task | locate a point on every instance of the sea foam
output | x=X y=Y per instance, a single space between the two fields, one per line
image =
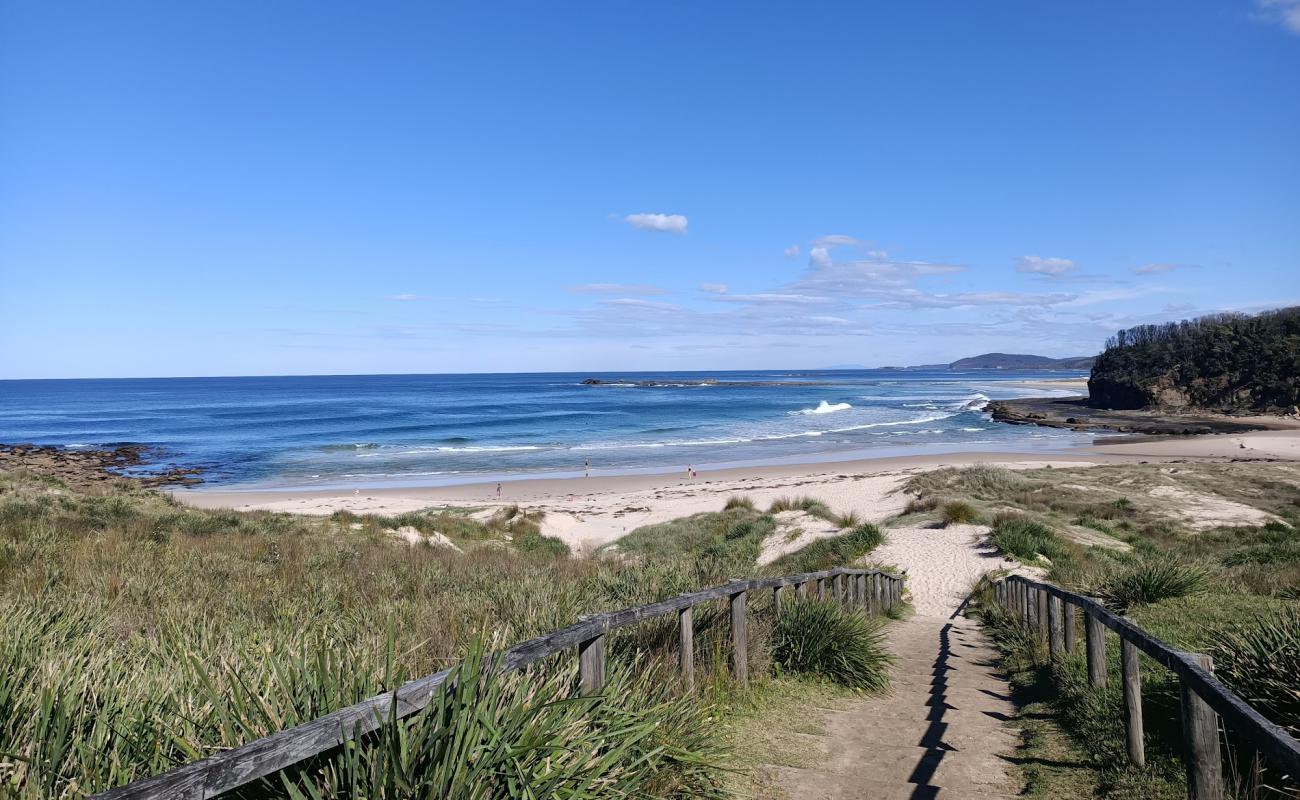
x=824 y=408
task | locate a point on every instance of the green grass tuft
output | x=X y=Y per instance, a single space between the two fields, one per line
x=1151 y=581
x=958 y=512
x=821 y=637
x=1260 y=661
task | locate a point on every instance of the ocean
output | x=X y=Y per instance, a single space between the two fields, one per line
x=390 y=430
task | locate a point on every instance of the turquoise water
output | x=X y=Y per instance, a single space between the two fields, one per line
x=379 y=430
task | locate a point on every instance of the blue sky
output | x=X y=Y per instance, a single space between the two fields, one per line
x=315 y=187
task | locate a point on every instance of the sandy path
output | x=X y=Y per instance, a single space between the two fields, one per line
x=942 y=730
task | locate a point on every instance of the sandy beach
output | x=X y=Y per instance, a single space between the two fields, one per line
x=590 y=512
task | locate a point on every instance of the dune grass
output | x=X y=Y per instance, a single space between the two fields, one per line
x=821 y=637
x=1227 y=591
x=140 y=634
x=830 y=552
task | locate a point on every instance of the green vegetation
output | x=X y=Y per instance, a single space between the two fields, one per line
x=957 y=512
x=1224 y=361
x=821 y=637
x=808 y=505
x=1123 y=533
x=1261 y=661
x=832 y=552
x=140 y=634
x=1028 y=541
x=1150 y=581
x=738 y=501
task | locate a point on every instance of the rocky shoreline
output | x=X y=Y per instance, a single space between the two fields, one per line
x=81 y=468
x=1074 y=413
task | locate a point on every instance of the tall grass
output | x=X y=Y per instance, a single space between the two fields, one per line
x=1028 y=541
x=1150 y=581
x=824 y=638
x=1261 y=661
x=958 y=512
x=138 y=634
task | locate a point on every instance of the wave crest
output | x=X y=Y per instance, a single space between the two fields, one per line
x=824 y=408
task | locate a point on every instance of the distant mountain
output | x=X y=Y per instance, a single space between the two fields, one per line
x=1017 y=361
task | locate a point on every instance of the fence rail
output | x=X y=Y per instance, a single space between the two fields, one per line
x=1050 y=609
x=868 y=590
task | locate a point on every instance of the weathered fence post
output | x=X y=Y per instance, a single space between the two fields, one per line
x=740 y=637
x=821 y=588
x=1068 y=623
x=1201 y=740
x=837 y=588
x=1040 y=602
x=877 y=598
x=863 y=601
x=1054 y=646
x=1132 y=701
x=1095 y=633
x=1025 y=602
x=686 y=646
x=591 y=664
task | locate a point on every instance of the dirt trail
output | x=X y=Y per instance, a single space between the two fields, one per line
x=942 y=731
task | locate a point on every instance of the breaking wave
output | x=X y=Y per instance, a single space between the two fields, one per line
x=824 y=408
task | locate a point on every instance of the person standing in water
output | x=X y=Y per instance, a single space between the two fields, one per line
x=586 y=468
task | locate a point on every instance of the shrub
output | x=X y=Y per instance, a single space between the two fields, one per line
x=957 y=512
x=835 y=551
x=821 y=637
x=739 y=501
x=1026 y=540
x=1260 y=662
x=1150 y=581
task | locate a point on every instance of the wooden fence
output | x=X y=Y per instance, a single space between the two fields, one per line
x=1051 y=610
x=868 y=590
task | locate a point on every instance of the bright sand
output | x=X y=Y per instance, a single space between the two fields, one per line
x=589 y=512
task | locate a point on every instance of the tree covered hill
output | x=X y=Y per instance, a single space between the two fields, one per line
x=1020 y=361
x=1228 y=362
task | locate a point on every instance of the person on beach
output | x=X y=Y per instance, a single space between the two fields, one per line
x=498 y=491
x=586 y=468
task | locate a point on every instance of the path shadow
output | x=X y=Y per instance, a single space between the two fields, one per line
x=932 y=739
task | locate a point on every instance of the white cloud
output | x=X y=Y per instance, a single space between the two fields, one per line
x=1282 y=12
x=663 y=223
x=618 y=288
x=820 y=258
x=407 y=298
x=632 y=302
x=836 y=240
x=878 y=255
x=1038 y=265
x=1152 y=269
x=714 y=288
x=792 y=251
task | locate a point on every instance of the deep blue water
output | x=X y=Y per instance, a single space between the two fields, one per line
x=392 y=429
